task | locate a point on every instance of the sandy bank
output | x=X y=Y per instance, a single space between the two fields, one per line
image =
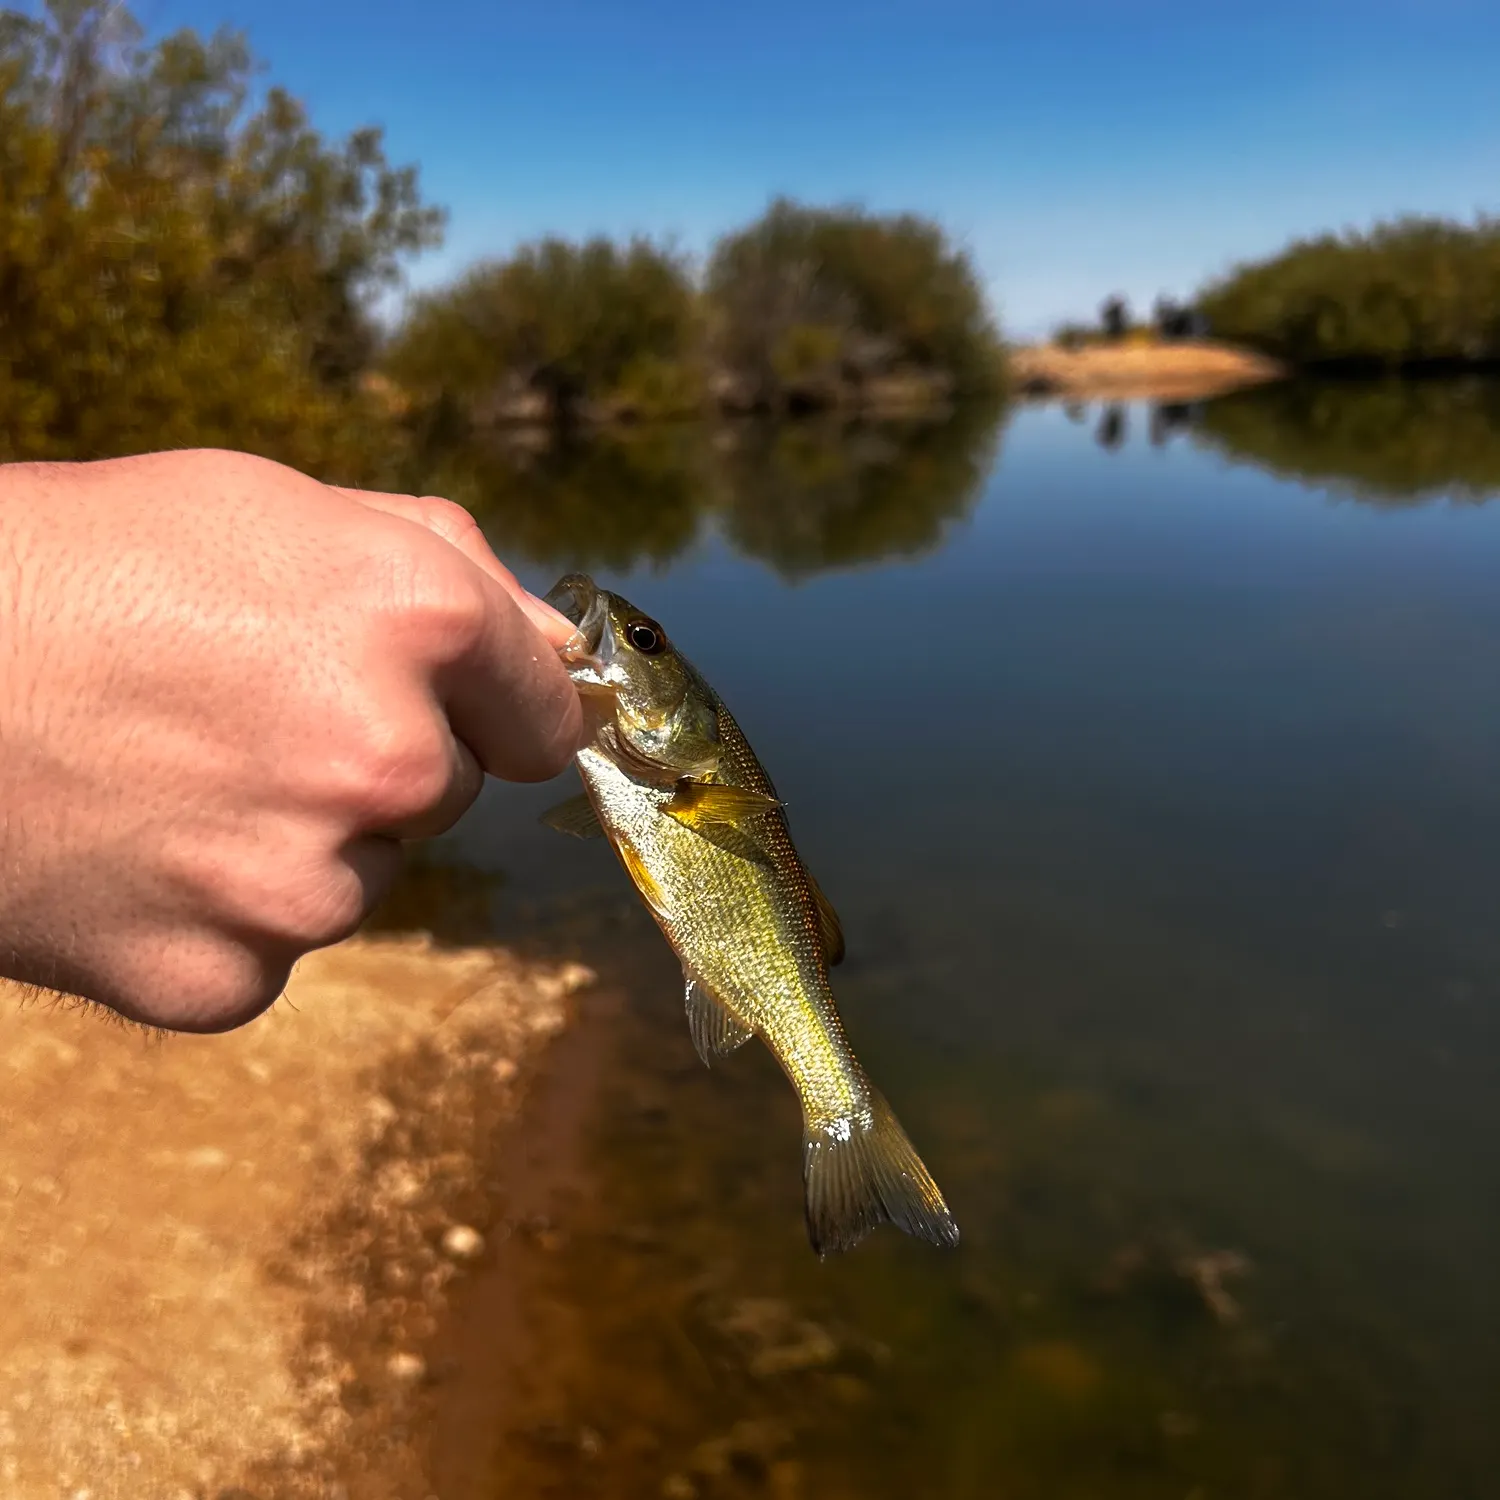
x=1187 y=371
x=225 y=1256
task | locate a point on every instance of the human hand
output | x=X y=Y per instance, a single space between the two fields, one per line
x=226 y=693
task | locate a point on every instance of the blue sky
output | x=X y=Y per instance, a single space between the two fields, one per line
x=1075 y=149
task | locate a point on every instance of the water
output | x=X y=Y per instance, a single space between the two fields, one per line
x=1160 y=796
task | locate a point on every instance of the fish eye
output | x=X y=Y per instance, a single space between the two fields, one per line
x=646 y=636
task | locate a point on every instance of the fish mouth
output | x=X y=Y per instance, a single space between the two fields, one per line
x=578 y=598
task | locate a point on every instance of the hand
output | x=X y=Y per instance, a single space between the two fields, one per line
x=226 y=693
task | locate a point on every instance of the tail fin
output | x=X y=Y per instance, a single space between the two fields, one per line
x=858 y=1174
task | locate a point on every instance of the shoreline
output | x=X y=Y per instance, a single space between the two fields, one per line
x=1189 y=370
x=496 y=1351
x=231 y=1258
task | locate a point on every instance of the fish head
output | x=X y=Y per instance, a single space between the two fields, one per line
x=646 y=702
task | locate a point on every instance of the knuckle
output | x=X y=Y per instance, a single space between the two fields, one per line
x=290 y=892
x=404 y=775
x=447 y=517
x=323 y=910
x=298 y=905
x=437 y=604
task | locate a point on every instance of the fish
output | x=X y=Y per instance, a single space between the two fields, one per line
x=670 y=780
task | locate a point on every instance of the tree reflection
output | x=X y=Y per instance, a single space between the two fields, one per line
x=1398 y=442
x=801 y=496
x=1112 y=429
x=806 y=497
x=609 y=500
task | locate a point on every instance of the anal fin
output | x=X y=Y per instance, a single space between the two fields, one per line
x=830 y=929
x=715 y=1029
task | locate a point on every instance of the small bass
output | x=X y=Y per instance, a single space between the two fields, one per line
x=672 y=783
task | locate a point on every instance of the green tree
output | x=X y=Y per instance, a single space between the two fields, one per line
x=1412 y=291
x=177 y=267
x=811 y=306
x=558 y=331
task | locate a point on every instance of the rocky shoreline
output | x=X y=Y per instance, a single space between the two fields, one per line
x=227 y=1257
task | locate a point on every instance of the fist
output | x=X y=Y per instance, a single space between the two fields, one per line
x=227 y=693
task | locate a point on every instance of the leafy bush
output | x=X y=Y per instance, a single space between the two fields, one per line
x=1413 y=291
x=806 y=302
x=176 y=269
x=572 y=327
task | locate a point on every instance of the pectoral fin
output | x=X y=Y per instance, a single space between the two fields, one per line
x=724 y=815
x=576 y=816
x=829 y=926
x=716 y=1030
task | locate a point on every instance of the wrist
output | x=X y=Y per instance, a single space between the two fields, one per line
x=29 y=496
x=22 y=489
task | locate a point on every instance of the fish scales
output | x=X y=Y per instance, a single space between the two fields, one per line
x=749 y=931
x=673 y=784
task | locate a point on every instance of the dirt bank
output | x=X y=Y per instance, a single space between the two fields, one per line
x=225 y=1257
x=1188 y=371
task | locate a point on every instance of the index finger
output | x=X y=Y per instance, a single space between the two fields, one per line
x=458 y=527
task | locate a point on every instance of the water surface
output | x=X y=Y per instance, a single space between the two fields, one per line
x=1159 y=791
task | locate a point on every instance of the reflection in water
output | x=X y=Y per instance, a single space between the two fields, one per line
x=1167 y=419
x=1113 y=428
x=1399 y=442
x=612 y=501
x=802 y=497
x=808 y=497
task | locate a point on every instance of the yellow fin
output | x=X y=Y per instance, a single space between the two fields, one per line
x=696 y=802
x=720 y=815
x=644 y=881
x=829 y=926
x=576 y=816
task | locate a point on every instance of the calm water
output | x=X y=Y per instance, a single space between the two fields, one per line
x=1159 y=792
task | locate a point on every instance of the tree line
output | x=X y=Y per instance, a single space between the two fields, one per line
x=806 y=309
x=1410 y=293
x=1415 y=291
x=187 y=260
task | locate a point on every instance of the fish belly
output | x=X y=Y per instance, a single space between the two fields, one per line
x=733 y=924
